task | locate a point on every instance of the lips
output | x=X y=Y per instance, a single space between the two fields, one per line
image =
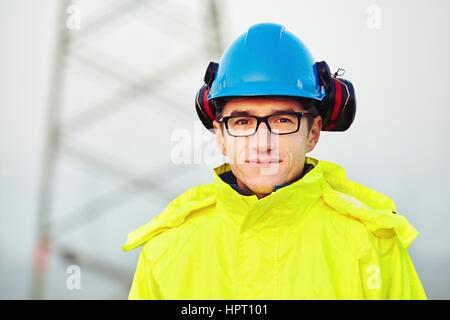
x=263 y=161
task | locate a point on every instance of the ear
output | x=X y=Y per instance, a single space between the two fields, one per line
x=314 y=134
x=220 y=138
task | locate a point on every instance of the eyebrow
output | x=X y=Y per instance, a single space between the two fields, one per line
x=247 y=113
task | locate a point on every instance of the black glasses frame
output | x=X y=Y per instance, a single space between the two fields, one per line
x=264 y=119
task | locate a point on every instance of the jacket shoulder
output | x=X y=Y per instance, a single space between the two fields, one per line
x=177 y=212
x=374 y=210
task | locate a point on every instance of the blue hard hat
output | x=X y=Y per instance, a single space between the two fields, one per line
x=267 y=60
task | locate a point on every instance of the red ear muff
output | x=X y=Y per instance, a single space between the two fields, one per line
x=206 y=110
x=338 y=108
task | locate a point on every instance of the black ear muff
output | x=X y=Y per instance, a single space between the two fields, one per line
x=205 y=110
x=338 y=107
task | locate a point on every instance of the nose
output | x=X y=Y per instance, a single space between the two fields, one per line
x=263 y=140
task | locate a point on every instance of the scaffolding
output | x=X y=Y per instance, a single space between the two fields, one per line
x=69 y=47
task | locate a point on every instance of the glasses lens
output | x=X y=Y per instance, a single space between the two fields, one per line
x=242 y=126
x=279 y=124
x=283 y=123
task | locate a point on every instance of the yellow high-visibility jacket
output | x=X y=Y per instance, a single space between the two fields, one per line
x=320 y=237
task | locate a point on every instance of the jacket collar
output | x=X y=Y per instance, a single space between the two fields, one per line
x=283 y=205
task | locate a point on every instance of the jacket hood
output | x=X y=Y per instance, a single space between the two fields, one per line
x=327 y=180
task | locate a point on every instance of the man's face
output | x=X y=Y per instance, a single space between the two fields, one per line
x=264 y=160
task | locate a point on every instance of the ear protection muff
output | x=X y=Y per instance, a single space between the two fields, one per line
x=338 y=107
x=206 y=110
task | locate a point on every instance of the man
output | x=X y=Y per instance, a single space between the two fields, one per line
x=275 y=223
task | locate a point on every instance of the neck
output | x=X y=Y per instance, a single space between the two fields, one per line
x=247 y=191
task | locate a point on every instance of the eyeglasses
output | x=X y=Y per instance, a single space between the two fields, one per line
x=280 y=123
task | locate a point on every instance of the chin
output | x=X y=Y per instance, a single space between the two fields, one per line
x=264 y=185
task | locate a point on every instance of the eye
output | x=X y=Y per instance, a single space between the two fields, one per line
x=242 y=121
x=284 y=120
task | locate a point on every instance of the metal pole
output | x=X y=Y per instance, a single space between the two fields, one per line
x=49 y=159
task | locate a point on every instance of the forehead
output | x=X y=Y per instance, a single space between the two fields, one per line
x=262 y=105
